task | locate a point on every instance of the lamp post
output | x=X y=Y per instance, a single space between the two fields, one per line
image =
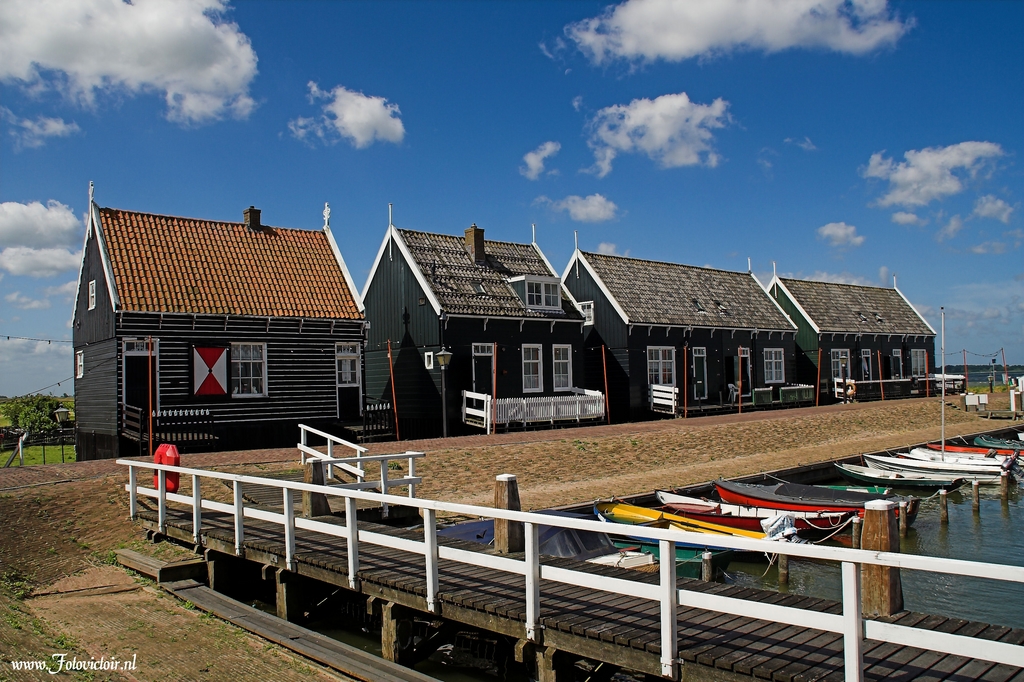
x=61 y=413
x=842 y=371
x=443 y=357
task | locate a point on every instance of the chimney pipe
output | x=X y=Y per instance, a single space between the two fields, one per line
x=475 y=244
x=251 y=216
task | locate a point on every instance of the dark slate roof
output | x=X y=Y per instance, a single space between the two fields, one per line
x=855 y=309
x=452 y=273
x=651 y=292
x=187 y=265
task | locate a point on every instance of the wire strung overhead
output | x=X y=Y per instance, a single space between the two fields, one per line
x=28 y=338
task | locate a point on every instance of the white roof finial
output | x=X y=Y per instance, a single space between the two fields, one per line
x=92 y=189
x=391 y=223
x=774 y=273
x=327 y=215
x=534 y=225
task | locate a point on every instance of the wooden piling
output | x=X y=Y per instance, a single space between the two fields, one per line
x=508 y=535
x=1004 y=486
x=943 y=506
x=856 y=531
x=783 y=569
x=289 y=595
x=975 y=497
x=881 y=587
x=903 y=519
x=314 y=504
x=707 y=573
x=396 y=632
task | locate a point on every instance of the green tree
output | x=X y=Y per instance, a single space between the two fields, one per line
x=34 y=413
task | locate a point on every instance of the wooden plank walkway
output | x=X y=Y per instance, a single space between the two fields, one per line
x=602 y=626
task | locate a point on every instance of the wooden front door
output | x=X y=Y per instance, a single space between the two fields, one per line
x=140 y=375
x=483 y=368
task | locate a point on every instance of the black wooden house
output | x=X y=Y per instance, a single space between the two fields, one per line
x=870 y=336
x=210 y=334
x=678 y=338
x=514 y=333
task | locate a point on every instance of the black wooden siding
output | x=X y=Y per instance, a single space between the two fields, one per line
x=96 y=411
x=97 y=324
x=393 y=309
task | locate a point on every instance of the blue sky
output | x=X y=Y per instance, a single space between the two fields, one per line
x=842 y=140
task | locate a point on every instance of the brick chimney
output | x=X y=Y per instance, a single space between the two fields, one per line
x=252 y=218
x=475 y=244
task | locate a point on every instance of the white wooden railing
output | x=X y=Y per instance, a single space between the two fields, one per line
x=354 y=465
x=575 y=405
x=850 y=624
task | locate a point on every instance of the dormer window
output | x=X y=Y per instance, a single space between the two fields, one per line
x=722 y=310
x=862 y=318
x=478 y=289
x=698 y=306
x=543 y=294
x=879 y=319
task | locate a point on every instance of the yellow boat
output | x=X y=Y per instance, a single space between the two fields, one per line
x=620 y=512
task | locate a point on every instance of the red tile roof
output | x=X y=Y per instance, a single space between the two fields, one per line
x=186 y=265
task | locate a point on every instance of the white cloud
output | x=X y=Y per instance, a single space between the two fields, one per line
x=647 y=30
x=577 y=102
x=591 y=209
x=360 y=119
x=928 y=174
x=36 y=226
x=670 y=129
x=990 y=206
x=883 y=275
x=19 y=300
x=535 y=160
x=66 y=291
x=989 y=247
x=21 y=260
x=185 y=50
x=905 y=218
x=840 y=235
x=839 y=278
x=950 y=230
x=609 y=249
x=30 y=134
x=804 y=144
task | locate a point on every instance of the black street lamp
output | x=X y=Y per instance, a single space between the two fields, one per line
x=61 y=414
x=443 y=357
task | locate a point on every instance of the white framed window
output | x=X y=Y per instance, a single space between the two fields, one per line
x=561 y=364
x=79 y=364
x=482 y=349
x=533 y=375
x=838 y=356
x=428 y=360
x=897 y=363
x=92 y=294
x=918 y=362
x=865 y=364
x=347 y=359
x=248 y=370
x=661 y=365
x=552 y=296
x=774 y=366
x=700 y=373
x=543 y=294
x=587 y=307
x=534 y=294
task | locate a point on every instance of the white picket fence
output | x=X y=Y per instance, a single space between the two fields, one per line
x=480 y=409
x=850 y=624
x=663 y=398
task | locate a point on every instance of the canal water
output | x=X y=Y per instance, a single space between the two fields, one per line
x=995 y=535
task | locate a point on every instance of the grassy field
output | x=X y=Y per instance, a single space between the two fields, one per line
x=36 y=455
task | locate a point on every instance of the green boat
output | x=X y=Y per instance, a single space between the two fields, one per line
x=688 y=559
x=998 y=443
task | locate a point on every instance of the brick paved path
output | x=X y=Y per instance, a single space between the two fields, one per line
x=21 y=477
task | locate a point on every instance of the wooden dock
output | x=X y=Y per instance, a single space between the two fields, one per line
x=584 y=622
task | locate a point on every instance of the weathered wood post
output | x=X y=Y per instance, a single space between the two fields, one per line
x=882 y=589
x=707 y=572
x=903 y=519
x=783 y=569
x=289 y=595
x=1004 y=486
x=314 y=504
x=976 y=497
x=856 y=532
x=508 y=535
x=943 y=506
x=396 y=632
